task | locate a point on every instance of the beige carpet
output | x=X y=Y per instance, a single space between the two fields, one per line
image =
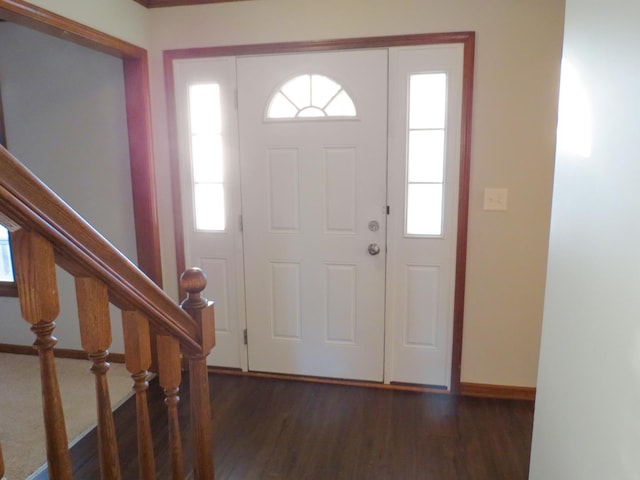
x=21 y=424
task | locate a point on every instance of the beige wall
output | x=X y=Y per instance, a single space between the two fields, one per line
x=124 y=19
x=517 y=69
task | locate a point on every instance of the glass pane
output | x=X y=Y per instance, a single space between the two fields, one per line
x=322 y=90
x=298 y=91
x=427 y=100
x=311 y=112
x=341 y=106
x=209 y=206
x=426 y=156
x=6 y=269
x=206 y=151
x=281 y=107
x=204 y=108
x=424 y=209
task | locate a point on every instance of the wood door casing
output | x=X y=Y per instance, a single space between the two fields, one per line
x=466 y=38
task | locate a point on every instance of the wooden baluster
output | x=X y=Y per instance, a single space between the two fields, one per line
x=34 y=267
x=193 y=281
x=137 y=354
x=95 y=334
x=169 y=367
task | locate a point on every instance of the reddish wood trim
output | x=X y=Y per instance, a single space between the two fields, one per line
x=330 y=381
x=7 y=289
x=24 y=13
x=466 y=38
x=3 y=132
x=506 y=392
x=463 y=210
x=138 y=106
x=497 y=391
x=174 y=166
x=321 y=45
x=57 y=352
x=179 y=3
x=138 y=116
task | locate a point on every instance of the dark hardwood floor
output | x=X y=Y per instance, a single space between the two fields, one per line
x=280 y=429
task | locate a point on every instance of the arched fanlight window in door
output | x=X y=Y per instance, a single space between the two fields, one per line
x=310 y=96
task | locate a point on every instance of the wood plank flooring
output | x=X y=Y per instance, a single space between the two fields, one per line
x=280 y=429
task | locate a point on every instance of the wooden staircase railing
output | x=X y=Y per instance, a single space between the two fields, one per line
x=46 y=232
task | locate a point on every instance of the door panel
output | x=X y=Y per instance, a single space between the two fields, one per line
x=421 y=267
x=315 y=296
x=217 y=252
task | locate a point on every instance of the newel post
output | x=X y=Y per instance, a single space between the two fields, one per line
x=193 y=281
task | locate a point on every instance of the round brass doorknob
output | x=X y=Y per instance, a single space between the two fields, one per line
x=373 y=249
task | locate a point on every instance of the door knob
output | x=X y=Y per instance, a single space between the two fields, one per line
x=373 y=249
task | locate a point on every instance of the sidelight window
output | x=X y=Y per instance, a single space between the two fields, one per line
x=426 y=153
x=205 y=123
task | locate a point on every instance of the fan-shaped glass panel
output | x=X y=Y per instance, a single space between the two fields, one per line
x=323 y=89
x=341 y=106
x=298 y=91
x=311 y=96
x=281 y=107
x=311 y=112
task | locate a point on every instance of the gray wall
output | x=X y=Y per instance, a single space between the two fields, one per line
x=65 y=120
x=587 y=422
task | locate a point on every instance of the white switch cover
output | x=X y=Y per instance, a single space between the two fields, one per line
x=495 y=198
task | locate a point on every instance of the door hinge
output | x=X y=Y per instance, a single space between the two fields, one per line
x=246 y=337
x=241 y=224
x=388 y=209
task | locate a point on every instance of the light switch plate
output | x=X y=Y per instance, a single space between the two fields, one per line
x=495 y=199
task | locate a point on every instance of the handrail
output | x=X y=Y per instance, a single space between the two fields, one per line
x=26 y=202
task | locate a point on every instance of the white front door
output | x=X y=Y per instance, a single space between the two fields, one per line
x=326 y=172
x=313 y=138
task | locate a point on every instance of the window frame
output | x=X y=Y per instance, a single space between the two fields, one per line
x=195 y=182
x=8 y=289
x=409 y=130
